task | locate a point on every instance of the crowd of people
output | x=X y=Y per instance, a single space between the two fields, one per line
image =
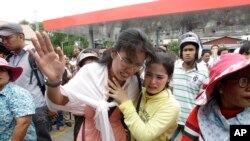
x=132 y=91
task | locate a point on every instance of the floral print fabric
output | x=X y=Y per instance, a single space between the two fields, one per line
x=15 y=102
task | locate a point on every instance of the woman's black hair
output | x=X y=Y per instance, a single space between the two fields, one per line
x=130 y=41
x=167 y=60
x=3 y=49
x=245 y=48
x=205 y=51
x=221 y=49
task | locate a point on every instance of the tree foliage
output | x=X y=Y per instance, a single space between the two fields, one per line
x=173 y=47
x=37 y=26
x=66 y=42
x=108 y=44
x=24 y=22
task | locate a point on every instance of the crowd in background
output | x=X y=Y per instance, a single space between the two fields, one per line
x=132 y=91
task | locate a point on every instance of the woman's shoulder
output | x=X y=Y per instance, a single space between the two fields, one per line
x=17 y=95
x=15 y=87
x=171 y=100
x=15 y=90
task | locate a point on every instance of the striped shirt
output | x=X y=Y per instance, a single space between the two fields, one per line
x=186 y=85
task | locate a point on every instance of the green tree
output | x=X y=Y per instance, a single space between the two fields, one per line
x=81 y=41
x=173 y=47
x=84 y=42
x=57 y=39
x=65 y=41
x=108 y=44
x=24 y=22
x=61 y=40
x=36 y=25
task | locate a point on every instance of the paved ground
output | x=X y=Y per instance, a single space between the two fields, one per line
x=66 y=135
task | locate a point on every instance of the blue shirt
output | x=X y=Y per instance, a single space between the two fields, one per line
x=15 y=102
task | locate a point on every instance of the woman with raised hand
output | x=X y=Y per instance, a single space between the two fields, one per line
x=86 y=91
x=154 y=116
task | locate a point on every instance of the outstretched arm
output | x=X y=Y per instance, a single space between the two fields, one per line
x=51 y=64
x=20 y=130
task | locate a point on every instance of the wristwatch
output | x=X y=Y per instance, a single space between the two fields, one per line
x=52 y=85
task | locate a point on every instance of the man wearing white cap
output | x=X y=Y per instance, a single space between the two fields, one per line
x=187 y=78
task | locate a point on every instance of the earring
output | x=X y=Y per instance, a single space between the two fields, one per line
x=219 y=87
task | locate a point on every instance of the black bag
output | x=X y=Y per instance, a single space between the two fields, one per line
x=35 y=70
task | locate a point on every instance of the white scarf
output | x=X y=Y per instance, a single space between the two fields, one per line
x=214 y=126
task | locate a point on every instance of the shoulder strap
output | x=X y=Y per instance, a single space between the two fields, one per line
x=35 y=71
x=9 y=56
x=140 y=92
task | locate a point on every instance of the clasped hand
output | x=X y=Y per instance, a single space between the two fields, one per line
x=117 y=92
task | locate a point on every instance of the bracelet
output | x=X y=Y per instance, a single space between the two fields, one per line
x=52 y=85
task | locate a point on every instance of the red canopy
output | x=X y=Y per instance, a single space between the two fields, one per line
x=159 y=7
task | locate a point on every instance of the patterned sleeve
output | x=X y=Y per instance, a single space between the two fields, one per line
x=191 y=129
x=21 y=103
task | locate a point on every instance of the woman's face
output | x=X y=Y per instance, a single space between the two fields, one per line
x=124 y=66
x=4 y=78
x=214 y=50
x=155 y=78
x=206 y=57
x=232 y=94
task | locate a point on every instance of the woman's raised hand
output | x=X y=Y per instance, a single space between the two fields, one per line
x=50 y=63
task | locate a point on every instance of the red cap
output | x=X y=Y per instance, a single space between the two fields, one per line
x=15 y=72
